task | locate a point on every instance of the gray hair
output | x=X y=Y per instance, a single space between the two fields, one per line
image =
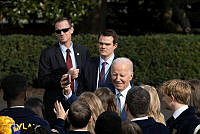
x=123 y=60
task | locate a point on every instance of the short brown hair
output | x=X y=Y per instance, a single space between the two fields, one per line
x=138 y=100
x=109 y=32
x=180 y=89
x=63 y=19
x=79 y=114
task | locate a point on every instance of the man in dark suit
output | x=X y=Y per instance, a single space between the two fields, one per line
x=97 y=73
x=176 y=95
x=64 y=57
x=137 y=104
x=122 y=74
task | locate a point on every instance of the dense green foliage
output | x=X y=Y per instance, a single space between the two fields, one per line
x=22 y=12
x=156 y=58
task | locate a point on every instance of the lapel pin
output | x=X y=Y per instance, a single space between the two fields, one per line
x=77 y=54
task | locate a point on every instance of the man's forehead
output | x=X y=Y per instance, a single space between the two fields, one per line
x=64 y=22
x=102 y=37
x=119 y=67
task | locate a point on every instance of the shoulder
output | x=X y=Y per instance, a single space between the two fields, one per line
x=151 y=125
x=92 y=61
x=159 y=127
x=50 y=51
x=34 y=118
x=80 y=47
x=3 y=112
x=51 y=48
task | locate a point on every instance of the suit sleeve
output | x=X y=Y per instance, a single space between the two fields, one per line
x=48 y=78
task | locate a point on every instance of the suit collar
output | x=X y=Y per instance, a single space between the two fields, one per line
x=188 y=112
x=140 y=118
x=77 y=55
x=59 y=55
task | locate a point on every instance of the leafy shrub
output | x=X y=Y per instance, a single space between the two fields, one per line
x=156 y=58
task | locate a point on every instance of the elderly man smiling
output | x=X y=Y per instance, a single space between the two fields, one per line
x=122 y=74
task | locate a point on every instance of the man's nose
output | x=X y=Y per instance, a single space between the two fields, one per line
x=103 y=46
x=117 y=77
x=61 y=32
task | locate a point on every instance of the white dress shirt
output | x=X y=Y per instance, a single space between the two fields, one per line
x=123 y=95
x=72 y=55
x=179 y=111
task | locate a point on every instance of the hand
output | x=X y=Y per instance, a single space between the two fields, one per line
x=59 y=111
x=74 y=73
x=54 y=131
x=65 y=83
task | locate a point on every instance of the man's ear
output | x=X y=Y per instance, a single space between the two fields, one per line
x=172 y=98
x=72 y=30
x=91 y=119
x=116 y=45
x=131 y=76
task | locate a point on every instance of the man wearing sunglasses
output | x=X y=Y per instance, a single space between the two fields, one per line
x=64 y=57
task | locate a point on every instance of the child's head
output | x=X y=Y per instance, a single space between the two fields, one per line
x=36 y=105
x=79 y=114
x=178 y=91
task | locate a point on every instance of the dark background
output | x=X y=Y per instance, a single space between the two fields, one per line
x=127 y=17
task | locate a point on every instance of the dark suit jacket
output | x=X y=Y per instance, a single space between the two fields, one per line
x=52 y=65
x=185 y=123
x=51 y=68
x=150 y=126
x=89 y=75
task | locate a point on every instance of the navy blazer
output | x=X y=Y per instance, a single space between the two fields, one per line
x=90 y=73
x=185 y=123
x=150 y=126
x=24 y=117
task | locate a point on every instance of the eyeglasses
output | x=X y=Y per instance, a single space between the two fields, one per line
x=58 y=31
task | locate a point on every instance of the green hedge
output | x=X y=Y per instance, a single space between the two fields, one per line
x=156 y=58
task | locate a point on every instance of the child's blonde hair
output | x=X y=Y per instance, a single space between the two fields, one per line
x=180 y=89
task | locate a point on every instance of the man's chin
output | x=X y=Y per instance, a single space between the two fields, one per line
x=63 y=42
x=120 y=88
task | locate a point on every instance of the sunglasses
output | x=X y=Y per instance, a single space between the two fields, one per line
x=64 y=30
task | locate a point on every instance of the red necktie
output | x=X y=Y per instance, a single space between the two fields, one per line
x=69 y=65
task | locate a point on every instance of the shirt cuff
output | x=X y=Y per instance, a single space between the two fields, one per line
x=67 y=96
